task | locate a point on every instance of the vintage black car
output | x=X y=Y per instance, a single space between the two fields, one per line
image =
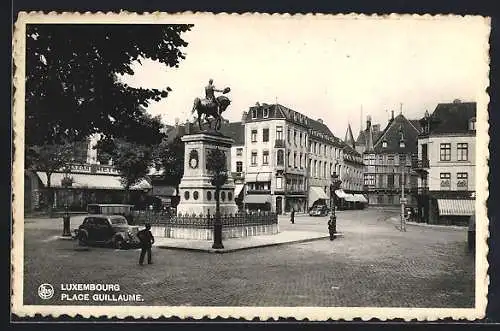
x=319 y=210
x=114 y=230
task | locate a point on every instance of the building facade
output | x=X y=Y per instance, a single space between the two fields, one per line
x=446 y=164
x=92 y=182
x=290 y=160
x=388 y=162
x=276 y=154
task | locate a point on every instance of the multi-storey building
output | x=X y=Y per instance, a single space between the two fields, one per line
x=290 y=159
x=325 y=158
x=388 y=162
x=446 y=164
x=350 y=172
x=276 y=152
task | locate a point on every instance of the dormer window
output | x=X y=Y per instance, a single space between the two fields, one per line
x=254 y=113
x=384 y=144
x=472 y=124
x=402 y=144
x=265 y=113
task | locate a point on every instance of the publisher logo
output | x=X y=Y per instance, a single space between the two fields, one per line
x=45 y=291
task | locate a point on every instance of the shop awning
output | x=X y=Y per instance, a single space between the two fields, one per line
x=258 y=177
x=341 y=194
x=315 y=193
x=456 y=207
x=350 y=197
x=360 y=198
x=237 y=189
x=257 y=198
x=88 y=181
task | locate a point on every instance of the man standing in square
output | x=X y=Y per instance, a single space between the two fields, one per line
x=147 y=240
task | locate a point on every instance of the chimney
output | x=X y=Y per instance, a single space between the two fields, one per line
x=187 y=127
x=392 y=115
x=368 y=122
x=244 y=117
x=457 y=101
x=320 y=120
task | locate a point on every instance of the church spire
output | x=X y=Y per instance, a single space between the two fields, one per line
x=349 y=138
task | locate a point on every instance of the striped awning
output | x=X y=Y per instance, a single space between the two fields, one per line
x=315 y=193
x=341 y=194
x=90 y=181
x=456 y=207
x=257 y=198
x=360 y=198
x=258 y=177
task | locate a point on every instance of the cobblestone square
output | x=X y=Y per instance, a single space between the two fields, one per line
x=373 y=265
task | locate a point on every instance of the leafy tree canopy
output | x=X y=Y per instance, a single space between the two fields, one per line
x=72 y=85
x=132 y=160
x=169 y=156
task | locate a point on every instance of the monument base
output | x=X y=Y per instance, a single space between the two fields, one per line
x=208 y=234
x=197 y=194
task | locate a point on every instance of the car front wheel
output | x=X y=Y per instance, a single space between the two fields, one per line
x=82 y=239
x=119 y=243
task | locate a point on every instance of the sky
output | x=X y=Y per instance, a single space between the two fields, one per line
x=336 y=69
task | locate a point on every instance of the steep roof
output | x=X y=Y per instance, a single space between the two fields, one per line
x=392 y=135
x=452 y=117
x=276 y=111
x=349 y=138
x=234 y=130
x=361 y=140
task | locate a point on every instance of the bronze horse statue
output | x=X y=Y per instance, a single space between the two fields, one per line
x=213 y=109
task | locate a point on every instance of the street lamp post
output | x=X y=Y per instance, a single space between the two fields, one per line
x=66 y=183
x=403 y=199
x=332 y=223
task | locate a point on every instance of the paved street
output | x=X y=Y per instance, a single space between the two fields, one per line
x=374 y=264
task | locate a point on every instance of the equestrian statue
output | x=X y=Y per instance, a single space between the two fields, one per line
x=211 y=106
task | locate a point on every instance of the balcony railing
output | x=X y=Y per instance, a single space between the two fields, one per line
x=420 y=164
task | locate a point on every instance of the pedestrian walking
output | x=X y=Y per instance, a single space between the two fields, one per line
x=292 y=216
x=147 y=240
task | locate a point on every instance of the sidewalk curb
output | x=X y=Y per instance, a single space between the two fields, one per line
x=427 y=225
x=230 y=250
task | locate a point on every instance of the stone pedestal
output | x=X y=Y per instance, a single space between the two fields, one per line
x=197 y=194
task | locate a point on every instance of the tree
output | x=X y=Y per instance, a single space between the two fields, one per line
x=49 y=159
x=217 y=166
x=130 y=159
x=73 y=86
x=169 y=156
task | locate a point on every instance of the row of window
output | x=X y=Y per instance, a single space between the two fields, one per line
x=292 y=184
x=265 y=134
x=327 y=151
x=389 y=181
x=298 y=139
x=187 y=195
x=462 y=152
x=462 y=180
x=389 y=159
x=298 y=159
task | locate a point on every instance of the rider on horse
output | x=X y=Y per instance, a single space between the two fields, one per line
x=211 y=106
x=209 y=92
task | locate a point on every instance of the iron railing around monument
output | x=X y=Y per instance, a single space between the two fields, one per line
x=207 y=221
